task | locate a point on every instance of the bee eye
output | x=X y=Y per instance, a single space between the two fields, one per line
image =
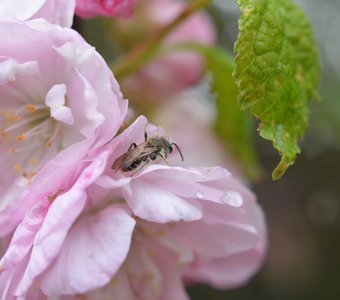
x=171 y=149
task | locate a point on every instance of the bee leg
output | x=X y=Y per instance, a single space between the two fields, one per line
x=164 y=158
x=145 y=135
x=132 y=146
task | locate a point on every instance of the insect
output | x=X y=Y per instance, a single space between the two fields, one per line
x=150 y=149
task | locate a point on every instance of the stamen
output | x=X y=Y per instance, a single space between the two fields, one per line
x=160 y=233
x=23 y=122
x=171 y=225
x=29 y=175
x=51 y=198
x=30 y=146
x=48 y=144
x=147 y=230
x=37 y=129
x=32 y=161
x=113 y=281
x=3 y=135
x=21 y=137
x=11 y=117
x=18 y=168
x=31 y=107
x=54 y=135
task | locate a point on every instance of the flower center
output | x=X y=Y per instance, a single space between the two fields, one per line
x=26 y=132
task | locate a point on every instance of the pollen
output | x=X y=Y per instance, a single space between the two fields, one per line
x=31 y=107
x=147 y=230
x=3 y=134
x=48 y=144
x=113 y=281
x=18 y=168
x=51 y=198
x=171 y=225
x=21 y=137
x=32 y=161
x=12 y=117
x=29 y=175
x=160 y=233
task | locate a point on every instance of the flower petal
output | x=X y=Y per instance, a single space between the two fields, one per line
x=9 y=69
x=92 y=253
x=152 y=203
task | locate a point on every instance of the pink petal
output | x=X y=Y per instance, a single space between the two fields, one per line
x=24 y=235
x=229 y=272
x=55 y=174
x=55 y=11
x=152 y=203
x=19 y=9
x=10 y=69
x=59 y=12
x=59 y=218
x=92 y=253
x=212 y=241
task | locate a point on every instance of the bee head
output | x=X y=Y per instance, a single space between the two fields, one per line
x=167 y=144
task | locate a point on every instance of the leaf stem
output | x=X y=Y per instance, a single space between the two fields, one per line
x=133 y=60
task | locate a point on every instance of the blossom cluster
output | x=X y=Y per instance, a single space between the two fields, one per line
x=70 y=225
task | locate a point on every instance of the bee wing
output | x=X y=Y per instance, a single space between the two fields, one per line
x=129 y=155
x=118 y=163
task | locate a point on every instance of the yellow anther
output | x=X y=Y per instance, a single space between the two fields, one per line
x=160 y=233
x=18 y=168
x=31 y=107
x=48 y=143
x=3 y=134
x=171 y=225
x=113 y=281
x=51 y=198
x=12 y=117
x=12 y=150
x=29 y=175
x=147 y=230
x=21 y=137
x=32 y=161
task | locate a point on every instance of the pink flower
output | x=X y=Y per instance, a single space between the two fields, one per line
x=135 y=235
x=54 y=11
x=58 y=99
x=92 y=8
x=169 y=73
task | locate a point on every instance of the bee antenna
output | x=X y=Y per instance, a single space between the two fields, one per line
x=179 y=150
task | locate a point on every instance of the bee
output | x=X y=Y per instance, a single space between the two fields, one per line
x=145 y=152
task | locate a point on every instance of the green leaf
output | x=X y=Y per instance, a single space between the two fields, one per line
x=276 y=70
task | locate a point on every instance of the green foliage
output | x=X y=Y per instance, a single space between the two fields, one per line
x=276 y=70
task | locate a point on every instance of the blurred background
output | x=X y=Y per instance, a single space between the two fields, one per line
x=303 y=207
